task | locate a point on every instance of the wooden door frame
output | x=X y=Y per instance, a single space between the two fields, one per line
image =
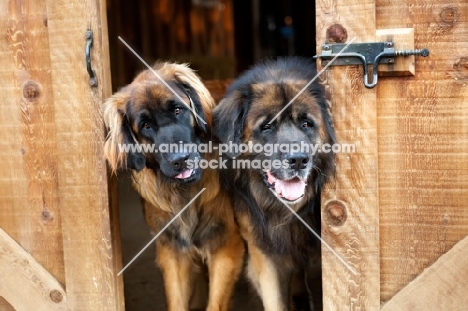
x=44 y=54
x=389 y=212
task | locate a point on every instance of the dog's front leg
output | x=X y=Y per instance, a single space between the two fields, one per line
x=271 y=284
x=224 y=266
x=175 y=268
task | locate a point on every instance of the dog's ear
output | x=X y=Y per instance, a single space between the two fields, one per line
x=201 y=100
x=119 y=148
x=135 y=158
x=325 y=161
x=317 y=90
x=229 y=116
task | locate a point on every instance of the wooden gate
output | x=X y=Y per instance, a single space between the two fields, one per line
x=58 y=250
x=396 y=212
x=400 y=201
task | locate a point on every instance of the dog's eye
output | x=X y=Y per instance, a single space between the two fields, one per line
x=306 y=124
x=177 y=110
x=266 y=127
x=146 y=125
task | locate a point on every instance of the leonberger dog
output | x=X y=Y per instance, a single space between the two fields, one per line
x=281 y=249
x=147 y=112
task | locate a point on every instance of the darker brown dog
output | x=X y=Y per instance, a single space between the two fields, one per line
x=279 y=245
x=148 y=112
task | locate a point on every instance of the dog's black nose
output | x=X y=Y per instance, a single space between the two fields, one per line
x=297 y=161
x=178 y=160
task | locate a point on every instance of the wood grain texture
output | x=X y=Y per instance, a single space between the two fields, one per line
x=113 y=204
x=403 y=39
x=26 y=285
x=53 y=185
x=90 y=267
x=423 y=144
x=442 y=286
x=356 y=182
x=29 y=204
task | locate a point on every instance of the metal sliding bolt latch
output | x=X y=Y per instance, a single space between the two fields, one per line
x=367 y=54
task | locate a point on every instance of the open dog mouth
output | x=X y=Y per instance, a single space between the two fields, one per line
x=290 y=190
x=183 y=177
x=185 y=174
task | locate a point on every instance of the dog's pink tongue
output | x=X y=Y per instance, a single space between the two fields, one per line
x=290 y=189
x=185 y=174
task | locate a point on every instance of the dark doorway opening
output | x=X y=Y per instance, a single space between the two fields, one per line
x=220 y=39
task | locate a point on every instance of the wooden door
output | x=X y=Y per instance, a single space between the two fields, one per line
x=399 y=204
x=58 y=246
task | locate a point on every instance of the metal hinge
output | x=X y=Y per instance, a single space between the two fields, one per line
x=367 y=54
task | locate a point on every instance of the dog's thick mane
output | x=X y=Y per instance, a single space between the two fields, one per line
x=147 y=111
x=166 y=196
x=275 y=228
x=148 y=182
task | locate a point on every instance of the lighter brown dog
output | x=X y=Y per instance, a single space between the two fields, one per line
x=148 y=112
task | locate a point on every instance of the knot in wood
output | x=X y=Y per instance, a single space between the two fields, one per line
x=449 y=14
x=56 y=296
x=461 y=70
x=461 y=65
x=336 y=33
x=31 y=91
x=335 y=213
x=47 y=215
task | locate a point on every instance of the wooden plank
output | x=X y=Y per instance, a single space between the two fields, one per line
x=31 y=182
x=442 y=286
x=26 y=285
x=5 y=306
x=403 y=39
x=113 y=204
x=423 y=154
x=350 y=209
x=115 y=22
x=29 y=197
x=116 y=240
x=90 y=264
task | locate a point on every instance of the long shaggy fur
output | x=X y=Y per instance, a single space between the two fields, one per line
x=205 y=233
x=280 y=247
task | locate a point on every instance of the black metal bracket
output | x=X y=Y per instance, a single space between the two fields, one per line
x=92 y=74
x=367 y=54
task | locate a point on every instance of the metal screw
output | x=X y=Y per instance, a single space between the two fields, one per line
x=93 y=81
x=389 y=44
x=326 y=47
x=56 y=296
